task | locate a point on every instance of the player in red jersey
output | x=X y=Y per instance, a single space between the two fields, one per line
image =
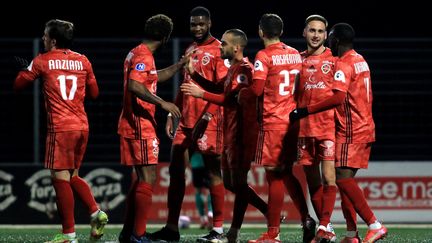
x=67 y=78
x=240 y=125
x=355 y=129
x=139 y=144
x=273 y=83
x=197 y=113
x=316 y=143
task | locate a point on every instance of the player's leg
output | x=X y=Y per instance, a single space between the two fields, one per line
x=129 y=217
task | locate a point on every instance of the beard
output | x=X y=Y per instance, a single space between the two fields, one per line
x=202 y=38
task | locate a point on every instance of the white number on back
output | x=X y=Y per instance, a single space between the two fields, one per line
x=286 y=82
x=62 y=80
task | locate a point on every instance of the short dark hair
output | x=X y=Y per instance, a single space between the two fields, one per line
x=316 y=17
x=271 y=25
x=62 y=31
x=200 y=11
x=240 y=36
x=158 y=27
x=343 y=32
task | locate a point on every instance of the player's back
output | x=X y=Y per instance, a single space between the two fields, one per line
x=278 y=65
x=65 y=75
x=354 y=117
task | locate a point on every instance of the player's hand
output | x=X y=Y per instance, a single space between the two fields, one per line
x=171 y=108
x=20 y=63
x=169 y=127
x=201 y=126
x=189 y=65
x=192 y=89
x=298 y=114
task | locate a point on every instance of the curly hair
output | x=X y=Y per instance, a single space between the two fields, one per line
x=158 y=27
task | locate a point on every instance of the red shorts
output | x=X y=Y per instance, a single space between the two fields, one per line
x=277 y=148
x=311 y=150
x=354 y=155
x=65 y=150
x=210 y=143
x=139 y=151
x=236 y=157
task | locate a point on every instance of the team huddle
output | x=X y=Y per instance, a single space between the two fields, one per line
x=313 y=108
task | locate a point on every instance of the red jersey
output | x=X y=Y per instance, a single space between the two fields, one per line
x=354 y=122
x=208 y=63
x=65 y=76
x=137 y=117
x=278 y=65
x=316 y=84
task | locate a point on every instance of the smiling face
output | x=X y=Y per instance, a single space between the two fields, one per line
x=315 y=34
x=200 y=28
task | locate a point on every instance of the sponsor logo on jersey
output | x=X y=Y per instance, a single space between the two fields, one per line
x=242 y=79
x=205 y=60
x=339 y=76
x=106 y=186
x=258 y=66
x=42 y=194
x=140 y=66
x=6 y=195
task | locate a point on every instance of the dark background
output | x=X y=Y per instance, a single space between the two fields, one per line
x=401 y=75
x=126 y=18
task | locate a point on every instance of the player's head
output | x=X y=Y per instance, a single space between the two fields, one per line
x=58 y=34
x=200 y=24
x=315 y=31
x=341 y=36
x=233 y=41
x=158 y=28
x=270 y=26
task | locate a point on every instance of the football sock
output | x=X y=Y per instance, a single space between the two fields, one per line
x=295 y=191
x=316 y=195
x=129 y=219
x=65 y=204
x=217 y=200
x=349 y=212
x=143 y=201
x=84 y=192
x=328 y=202
x=275 y=200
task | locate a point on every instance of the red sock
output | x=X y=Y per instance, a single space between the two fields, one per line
x=316 y=195
x=295 y=191
x=328 y=202
x=349 y=212
x=176 y=192
x=240 y=206
x=256 y=201
x=217 y=193
x=129 y=219
x=143 y=201
x=355 y=194
x=275 y=202
x=84 y=192
x=65 y=204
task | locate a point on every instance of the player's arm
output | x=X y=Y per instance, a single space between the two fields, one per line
x=197 y=92
x=143 y=93
x=26 y=75
x=168 y=72
x=92 y=88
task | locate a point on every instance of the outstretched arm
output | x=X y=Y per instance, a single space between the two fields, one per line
x=197 y=92
x=144 y=94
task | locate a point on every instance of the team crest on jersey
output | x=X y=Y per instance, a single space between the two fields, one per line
x=339 y=76
x=205 y=60
x=325 y=68
x=155 y=147
x=242 y=79
x=258 y=66
x=140 y=66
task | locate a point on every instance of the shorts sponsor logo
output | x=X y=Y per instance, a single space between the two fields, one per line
x=155 y=148
x=42 y=194
x=106 y=186
x=6 y=194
